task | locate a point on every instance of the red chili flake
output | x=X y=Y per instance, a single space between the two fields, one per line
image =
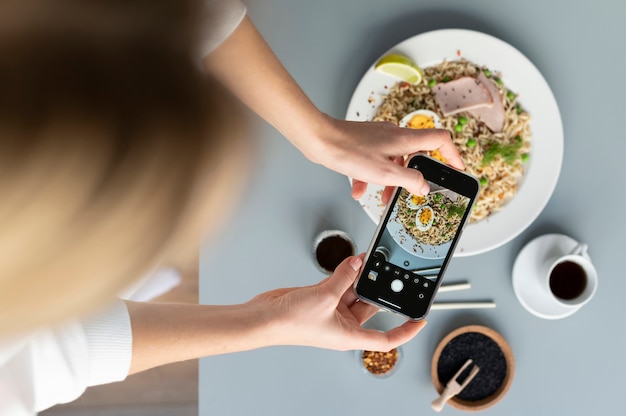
x=458 y=52
x=379 y=362
x=405 y=85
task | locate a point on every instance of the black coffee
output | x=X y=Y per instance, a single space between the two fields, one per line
x=331 y=251
x=568 y=280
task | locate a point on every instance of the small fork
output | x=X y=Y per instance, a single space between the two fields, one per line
x=453 y=387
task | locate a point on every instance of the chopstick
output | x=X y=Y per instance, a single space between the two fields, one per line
x=460 y=305
x=440 y=306
x=454 y=286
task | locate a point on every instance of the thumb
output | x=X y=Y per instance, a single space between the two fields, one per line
x=412 y=180
x=344 y=276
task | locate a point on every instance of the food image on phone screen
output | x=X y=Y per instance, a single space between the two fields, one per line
x=414 y=243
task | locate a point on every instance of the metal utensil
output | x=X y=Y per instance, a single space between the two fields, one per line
x=454 y=387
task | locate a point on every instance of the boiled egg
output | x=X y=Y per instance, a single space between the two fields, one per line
x=415 y=201
x=421 y=119
x=424 y=218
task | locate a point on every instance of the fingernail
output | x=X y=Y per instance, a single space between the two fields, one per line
x=355 y=263
x=425 y=189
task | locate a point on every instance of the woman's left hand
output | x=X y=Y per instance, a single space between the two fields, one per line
x=372 y=152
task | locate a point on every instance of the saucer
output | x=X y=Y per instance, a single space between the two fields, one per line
x=527 y=281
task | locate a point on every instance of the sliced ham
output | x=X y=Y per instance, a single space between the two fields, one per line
x=462 y=94
x=492 y=116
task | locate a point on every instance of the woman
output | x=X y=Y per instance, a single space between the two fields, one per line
x=115 y=152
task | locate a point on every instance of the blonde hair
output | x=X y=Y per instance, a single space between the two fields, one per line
x=115 y=150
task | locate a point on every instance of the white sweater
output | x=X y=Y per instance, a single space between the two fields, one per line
x=56 y=365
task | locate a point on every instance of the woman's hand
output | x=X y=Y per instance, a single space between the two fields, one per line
x=372 y=152
x=364 y=151
x=325 y=315
x=328 y=315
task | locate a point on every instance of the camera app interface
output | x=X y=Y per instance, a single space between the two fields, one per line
x=408 y=257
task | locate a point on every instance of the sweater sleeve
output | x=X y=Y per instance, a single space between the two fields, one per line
x=56 y=365
x=221 y=18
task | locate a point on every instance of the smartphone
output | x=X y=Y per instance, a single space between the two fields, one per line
x=414 y=242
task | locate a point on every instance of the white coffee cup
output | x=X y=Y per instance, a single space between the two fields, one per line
x=570 y=280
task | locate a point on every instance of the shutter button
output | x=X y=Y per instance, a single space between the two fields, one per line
x=397 y=285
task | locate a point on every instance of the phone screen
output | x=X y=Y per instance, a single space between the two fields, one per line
x=415 y=241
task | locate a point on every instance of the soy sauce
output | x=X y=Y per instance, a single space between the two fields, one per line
x=568 y=280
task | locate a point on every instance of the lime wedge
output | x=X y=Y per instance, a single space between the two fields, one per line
x=401 y=67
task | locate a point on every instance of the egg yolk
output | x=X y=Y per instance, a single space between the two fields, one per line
x=435 y=154
x=425 y=216
x=418 y=200
x=421 y=121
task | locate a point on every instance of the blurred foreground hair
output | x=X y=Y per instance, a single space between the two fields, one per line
x=114 y=150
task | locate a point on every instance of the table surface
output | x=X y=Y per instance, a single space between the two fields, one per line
x=573 y=366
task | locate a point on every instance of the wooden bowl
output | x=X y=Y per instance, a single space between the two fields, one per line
x=489 y=351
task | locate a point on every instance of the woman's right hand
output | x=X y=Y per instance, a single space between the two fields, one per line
x=329 y=315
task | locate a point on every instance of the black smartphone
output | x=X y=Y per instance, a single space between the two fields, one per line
x=415 y=240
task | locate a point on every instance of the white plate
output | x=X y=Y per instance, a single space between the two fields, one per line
x=521 y=76
x=527 y=280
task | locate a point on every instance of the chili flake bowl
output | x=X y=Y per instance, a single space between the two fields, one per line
x=379 y=364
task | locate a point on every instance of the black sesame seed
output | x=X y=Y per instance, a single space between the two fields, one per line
x=485 y=353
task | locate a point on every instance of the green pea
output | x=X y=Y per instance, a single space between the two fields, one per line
x=462 y=120
x=487 y=73
x=483 y=181
x=446 y=79
x=525 y=157
x=432 y=82
x=458 y=128
x=471 y=143
x=518 y=109
x=498 y=81
x=510 y=95
x=518 y=139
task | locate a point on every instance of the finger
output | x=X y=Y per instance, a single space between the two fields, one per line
x=410 y=141
x=349 y=297
x=385 y=197
x=363 y=311
x=358 y=188
x=389 y=190
x=410 y=179
x=437 y=139
x=404 y=333
x=343 y=277
x=384 y=341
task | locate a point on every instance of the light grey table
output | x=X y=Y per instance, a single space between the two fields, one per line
x=573 y=366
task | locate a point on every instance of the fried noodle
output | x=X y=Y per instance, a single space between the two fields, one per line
x=500 y=176
x=447 y=218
